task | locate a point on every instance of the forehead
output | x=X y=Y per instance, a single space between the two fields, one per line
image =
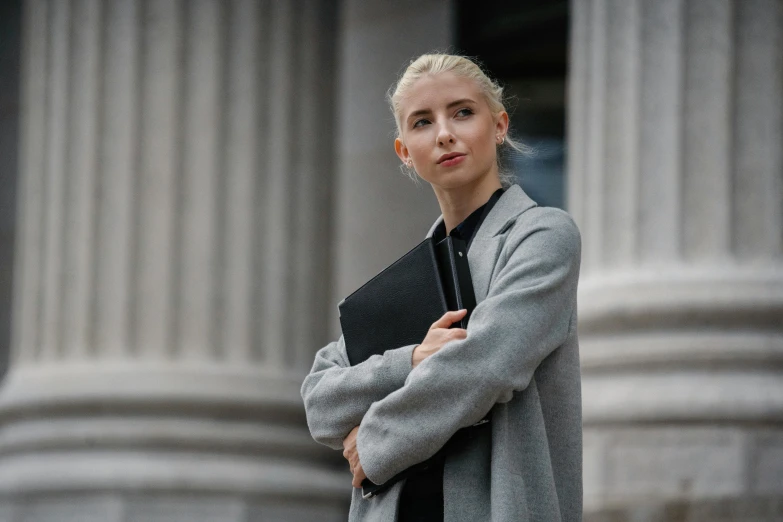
x=437 y=90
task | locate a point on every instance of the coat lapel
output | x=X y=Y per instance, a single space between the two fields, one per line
x=485 y=250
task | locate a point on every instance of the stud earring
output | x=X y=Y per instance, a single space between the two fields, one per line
x=410 y=163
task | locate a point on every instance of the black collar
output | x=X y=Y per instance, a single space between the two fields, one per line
x=467 y=229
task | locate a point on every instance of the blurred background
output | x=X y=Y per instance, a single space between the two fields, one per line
x=188 y=188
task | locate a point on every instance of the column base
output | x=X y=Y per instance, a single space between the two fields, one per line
x=136 y=441
x=651 y=470
x=164 y=507
x=746 y=509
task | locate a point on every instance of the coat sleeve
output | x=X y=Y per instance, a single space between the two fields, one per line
x=525 y=316
x=336 y=395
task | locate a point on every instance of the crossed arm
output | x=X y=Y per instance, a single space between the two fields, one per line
x=405 y=416
x=336 y=395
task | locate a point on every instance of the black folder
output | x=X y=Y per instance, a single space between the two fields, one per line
x=398 y=306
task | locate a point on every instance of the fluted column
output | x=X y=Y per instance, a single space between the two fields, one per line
x=379 y=213
x=171 y=261
x=676 y=181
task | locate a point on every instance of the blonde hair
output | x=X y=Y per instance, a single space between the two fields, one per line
x=463 y=67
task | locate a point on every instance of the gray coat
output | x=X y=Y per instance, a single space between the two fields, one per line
x=520 y=359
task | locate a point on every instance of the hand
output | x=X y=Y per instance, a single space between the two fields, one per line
x=352 y=455
x=438 y=335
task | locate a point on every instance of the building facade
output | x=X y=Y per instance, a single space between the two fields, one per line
x=199 y=182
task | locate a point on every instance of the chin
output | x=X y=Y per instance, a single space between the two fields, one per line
x=450 y=182
x=456 y=179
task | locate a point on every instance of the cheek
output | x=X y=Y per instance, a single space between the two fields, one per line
x=417 y=147
x=478 y=134
x=482 y=142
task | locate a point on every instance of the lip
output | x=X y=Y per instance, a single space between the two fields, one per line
x=447 y=158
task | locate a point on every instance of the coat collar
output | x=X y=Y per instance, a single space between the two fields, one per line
x=512 y=203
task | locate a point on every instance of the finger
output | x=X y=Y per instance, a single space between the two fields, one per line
x=358 y=476
x=448 y=318
x=458 y=333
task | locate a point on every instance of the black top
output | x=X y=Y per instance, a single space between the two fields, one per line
x=421 y=498
x=470 y=224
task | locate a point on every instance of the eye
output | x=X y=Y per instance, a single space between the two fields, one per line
x=420 y=123
x=464 y=112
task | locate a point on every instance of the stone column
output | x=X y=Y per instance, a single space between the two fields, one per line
x=676 y=181
x=170 y=288
x=379 y=214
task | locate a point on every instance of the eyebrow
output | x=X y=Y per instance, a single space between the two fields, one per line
x=421 y=112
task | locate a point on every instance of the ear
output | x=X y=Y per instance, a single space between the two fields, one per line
x=401 y=150
x=501 y=124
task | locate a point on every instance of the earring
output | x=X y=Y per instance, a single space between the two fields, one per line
x=410 y=163
x=502 y=140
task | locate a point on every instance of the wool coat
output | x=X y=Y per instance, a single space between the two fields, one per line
x=520 y=360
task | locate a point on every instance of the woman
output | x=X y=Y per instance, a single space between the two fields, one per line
x=518 y=357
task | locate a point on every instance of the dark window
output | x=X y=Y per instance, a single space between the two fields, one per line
x=524 y=45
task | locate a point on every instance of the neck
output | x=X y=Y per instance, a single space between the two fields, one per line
x=459 y=202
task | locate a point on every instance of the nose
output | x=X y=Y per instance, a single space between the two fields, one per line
x=445 y=136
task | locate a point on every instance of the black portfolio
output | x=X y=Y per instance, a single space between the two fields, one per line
x=397 y=307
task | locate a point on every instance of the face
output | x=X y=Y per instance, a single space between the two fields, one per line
x=449 y=132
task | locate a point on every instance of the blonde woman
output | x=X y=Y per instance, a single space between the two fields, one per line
x=518 y=358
